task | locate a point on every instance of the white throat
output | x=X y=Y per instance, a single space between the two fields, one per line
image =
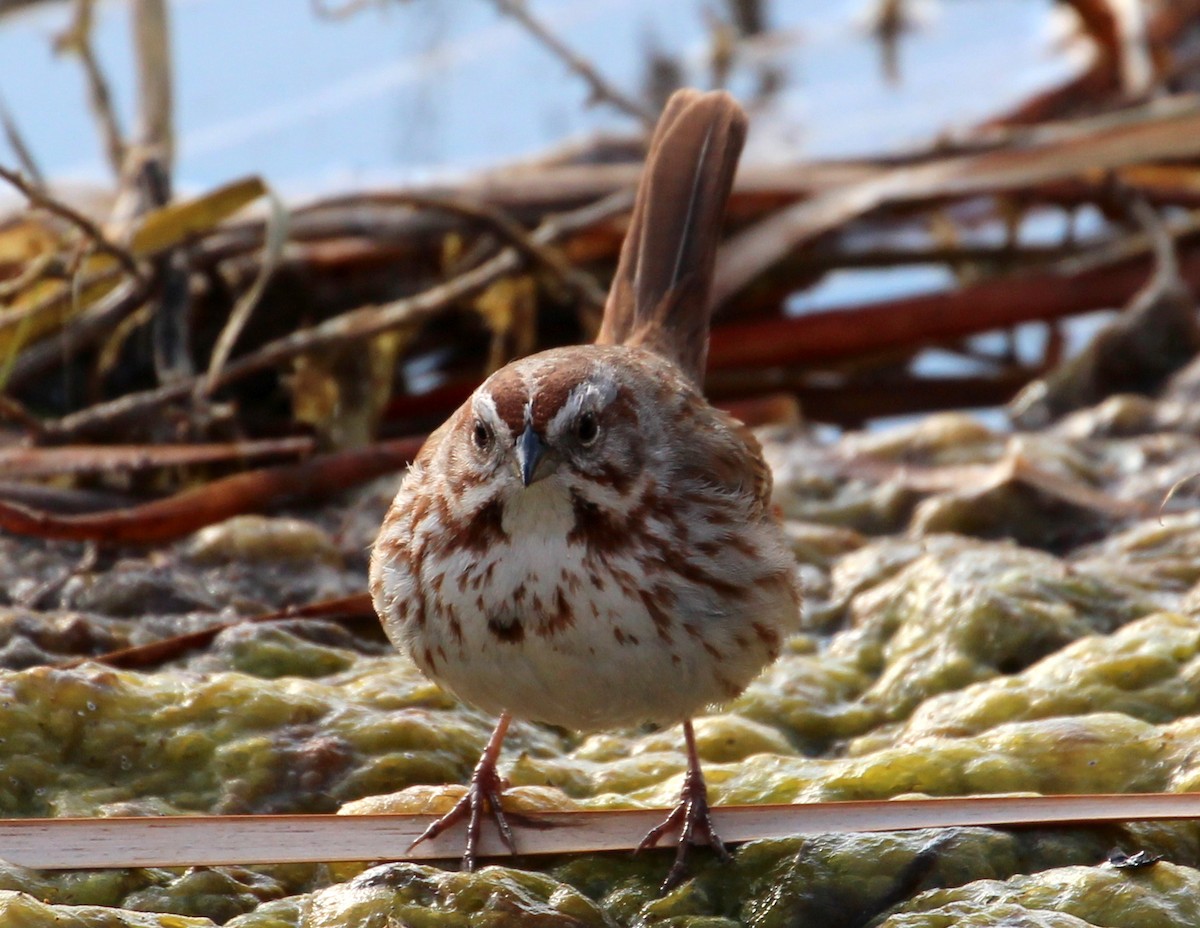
x=539 y=512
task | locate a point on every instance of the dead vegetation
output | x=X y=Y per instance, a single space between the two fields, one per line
x=191 y=337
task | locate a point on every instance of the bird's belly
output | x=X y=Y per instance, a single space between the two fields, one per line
x=584 y=644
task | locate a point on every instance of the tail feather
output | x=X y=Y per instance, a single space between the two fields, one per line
x=660 y=296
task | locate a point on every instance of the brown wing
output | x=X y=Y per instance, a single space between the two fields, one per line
x=724 y=453
x=660 y=295
x=755 y=475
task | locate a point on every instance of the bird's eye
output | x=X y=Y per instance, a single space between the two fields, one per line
x=587 y=429
x=482 y=435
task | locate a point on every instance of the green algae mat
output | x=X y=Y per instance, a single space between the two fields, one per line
x=941 y=656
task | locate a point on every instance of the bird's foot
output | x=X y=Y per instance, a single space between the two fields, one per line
x=692 y=819
x=482 y=798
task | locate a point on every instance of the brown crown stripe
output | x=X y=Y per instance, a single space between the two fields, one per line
x=555 y=388
x=511 y=395
x=508 y=392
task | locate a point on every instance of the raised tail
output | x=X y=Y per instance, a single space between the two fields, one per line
x=660 y=297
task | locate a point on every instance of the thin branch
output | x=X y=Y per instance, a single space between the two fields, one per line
x=36 y=268
x=375 y=320
x=355 y=326
x=101 y=103
x=579 y=282
x=77 y=39
x=156 y=653
x=24 y=463
x=213 y=840
x=87 y=562
x=152 y=46
x=14 y=411
x=601 y=89
x=57 y=301
x=43 y=200
x=16 y=141
x=172 y=517
x=78 y=333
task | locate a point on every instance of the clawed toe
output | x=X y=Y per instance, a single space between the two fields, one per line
x=482 y=798
x=691 y=818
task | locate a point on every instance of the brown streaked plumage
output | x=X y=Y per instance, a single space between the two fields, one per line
x=587 y=542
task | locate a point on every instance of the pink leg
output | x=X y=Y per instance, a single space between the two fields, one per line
x=690 y=817
x=483 y=793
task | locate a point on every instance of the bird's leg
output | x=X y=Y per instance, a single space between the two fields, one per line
x=690 y=817
x=483 y=793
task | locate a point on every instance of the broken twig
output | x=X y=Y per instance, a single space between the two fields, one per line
x=601 y=89
x=41 y=199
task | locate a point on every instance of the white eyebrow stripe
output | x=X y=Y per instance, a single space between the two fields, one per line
x=485 y=403
x=579 y=396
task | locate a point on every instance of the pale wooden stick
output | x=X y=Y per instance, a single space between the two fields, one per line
x=70 y=843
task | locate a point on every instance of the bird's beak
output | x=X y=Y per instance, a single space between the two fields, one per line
x=530 y=451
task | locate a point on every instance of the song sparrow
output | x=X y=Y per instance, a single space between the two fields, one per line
x=587 y=542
